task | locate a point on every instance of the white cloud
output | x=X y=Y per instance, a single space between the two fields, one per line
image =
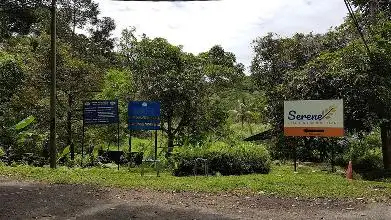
x=234 y=24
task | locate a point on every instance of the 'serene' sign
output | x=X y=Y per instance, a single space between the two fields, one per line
x=314 y=118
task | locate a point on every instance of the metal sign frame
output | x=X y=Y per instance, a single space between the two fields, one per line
x=313 y=118
x=144 y=116
x=100 y=112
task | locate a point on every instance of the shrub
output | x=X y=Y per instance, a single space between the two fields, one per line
x=365 y=153
x=28 y=142
x=242 y=158
x=366 y=156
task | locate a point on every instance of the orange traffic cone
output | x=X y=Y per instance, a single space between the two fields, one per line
x=349 y=171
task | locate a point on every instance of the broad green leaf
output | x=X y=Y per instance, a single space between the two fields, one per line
x=24 y=123
x=63 y=153
x=95 y=152
x=22 y=136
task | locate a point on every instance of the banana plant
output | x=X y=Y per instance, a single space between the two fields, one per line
x=22 y=135
x=24 y=123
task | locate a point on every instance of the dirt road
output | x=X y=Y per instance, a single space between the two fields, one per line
x=27 y=200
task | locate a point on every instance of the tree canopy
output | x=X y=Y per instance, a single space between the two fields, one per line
x=203 y=96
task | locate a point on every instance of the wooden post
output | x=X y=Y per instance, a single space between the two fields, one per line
x=295 y=157
x=332 y=159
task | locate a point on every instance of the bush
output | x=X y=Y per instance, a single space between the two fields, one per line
x=370 y=161
x=366 y=156
x=28 y=143
x=365 y=153
x=242 y=158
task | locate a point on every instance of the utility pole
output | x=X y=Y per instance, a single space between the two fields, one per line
x=52 y=141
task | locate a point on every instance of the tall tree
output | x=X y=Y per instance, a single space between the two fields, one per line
x=371 y=8
x=74 y=14
x=221 y=69
x=18 y=16
x=11 y=80
x=163 y=72
x=376 y=14
x=82 y=55
x=274 y=58
x=327 y=72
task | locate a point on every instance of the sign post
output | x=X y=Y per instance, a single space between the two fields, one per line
x=295 y=156
x=100 y=112
x=314 y=118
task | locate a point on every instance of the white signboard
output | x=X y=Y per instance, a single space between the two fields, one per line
x=313 y=118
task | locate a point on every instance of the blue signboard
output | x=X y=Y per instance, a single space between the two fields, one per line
x=144 y=115
x=100 y=112
x=141 y=108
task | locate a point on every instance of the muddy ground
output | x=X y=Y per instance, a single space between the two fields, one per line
x=32 y=200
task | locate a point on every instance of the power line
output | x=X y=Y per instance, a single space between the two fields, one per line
x=355 y=21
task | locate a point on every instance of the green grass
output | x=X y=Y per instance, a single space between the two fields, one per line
x=307 y=183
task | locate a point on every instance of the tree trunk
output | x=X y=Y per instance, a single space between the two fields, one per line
x=170 y=137
x=170 y=144
x=385 y=130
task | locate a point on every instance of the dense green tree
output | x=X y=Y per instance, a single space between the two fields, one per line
x=127 y=45
x=77 y=13
x=11 y=79
x=81 y=61
x=331 y=66
x=163 y=72
x=371 y=8
x=221 y=70
x=23 y=96
x=375 y=16
x=117 y=85
x=18 y=16
x=81 y=55
x=274 y=58
x=101 y=36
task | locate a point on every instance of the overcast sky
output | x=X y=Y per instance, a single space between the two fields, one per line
x=234 y=24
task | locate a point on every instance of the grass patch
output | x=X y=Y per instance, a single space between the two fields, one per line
x=307 y=183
